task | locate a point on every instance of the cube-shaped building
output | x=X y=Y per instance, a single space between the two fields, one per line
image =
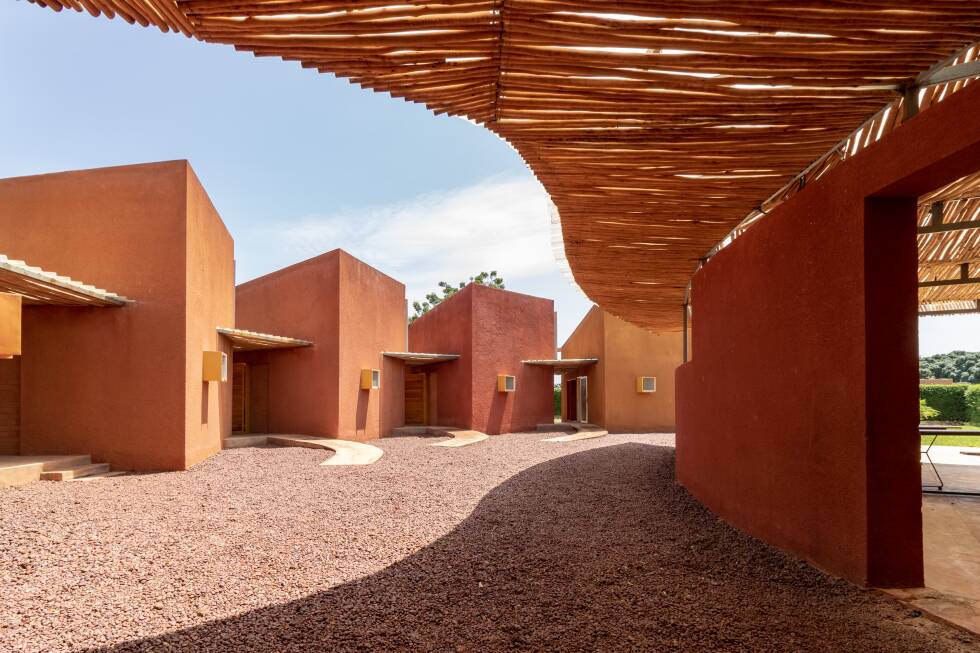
x=341 y=314
x=124 y=274
x=626 y=380
x=489 y=387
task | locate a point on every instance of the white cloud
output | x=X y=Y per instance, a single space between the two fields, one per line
x=499 y=224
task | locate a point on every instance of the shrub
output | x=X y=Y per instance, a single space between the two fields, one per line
x=925 y=411
x=973 y=404
x=949 y=400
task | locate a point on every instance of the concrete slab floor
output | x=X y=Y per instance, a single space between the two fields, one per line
x=958 y=467
x=951 y=543
x=947 y=455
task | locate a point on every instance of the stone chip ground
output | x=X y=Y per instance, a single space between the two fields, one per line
x=511 y=545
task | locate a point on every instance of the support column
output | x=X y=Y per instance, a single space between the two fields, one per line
x=894 y=497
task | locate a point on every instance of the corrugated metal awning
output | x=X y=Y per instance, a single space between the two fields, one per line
x=40 y=287
x=242 y=340
x=416 y=358
x=563 y=363
x=950 y=307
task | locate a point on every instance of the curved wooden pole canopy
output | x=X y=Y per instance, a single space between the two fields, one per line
x=656 y=126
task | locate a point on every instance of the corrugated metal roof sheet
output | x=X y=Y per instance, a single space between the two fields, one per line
x=38 y=286
x=563 y=363
x=244 y=340
x=416 y=358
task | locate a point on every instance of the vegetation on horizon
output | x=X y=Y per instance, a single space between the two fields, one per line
x=961 y=366
x=433 y=299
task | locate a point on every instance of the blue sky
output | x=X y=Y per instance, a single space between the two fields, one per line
x=296 y=162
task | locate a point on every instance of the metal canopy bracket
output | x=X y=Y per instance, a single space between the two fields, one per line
x=911 y=101
x=940 y=227
x=951 y=73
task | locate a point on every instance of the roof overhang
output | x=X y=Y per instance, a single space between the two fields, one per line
x=950 y=307
x=417 y=358
x=242 y=340
x=563 y=363
x=40 y=287
x=661 y=131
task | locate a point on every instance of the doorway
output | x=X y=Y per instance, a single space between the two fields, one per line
x=571 y=399
x=250 y=398
x=239 y=398
x=582 y=399
x=10 y=406
x=416 y=398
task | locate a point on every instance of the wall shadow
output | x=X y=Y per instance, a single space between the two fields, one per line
x=498 y=405
x=597 y=550
x=205 y=401
x=361 y=412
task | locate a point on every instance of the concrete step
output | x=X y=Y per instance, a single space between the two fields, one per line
x=554 y=426
x=238 y=441
x=21 y=470
x=65 y=462
x=96 y=477
x=71 y=473
x=409 y=430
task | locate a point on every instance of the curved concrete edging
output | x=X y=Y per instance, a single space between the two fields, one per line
x=459 y=437
x=346 y=452
x=581 y=432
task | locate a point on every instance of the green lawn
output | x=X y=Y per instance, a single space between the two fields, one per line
x=944 y=441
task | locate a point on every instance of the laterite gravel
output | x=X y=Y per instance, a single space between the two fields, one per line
x=509 y=545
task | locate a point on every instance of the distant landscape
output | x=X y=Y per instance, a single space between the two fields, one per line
x=960 y=366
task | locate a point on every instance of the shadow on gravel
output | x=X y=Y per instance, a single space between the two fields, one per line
x=594 y=551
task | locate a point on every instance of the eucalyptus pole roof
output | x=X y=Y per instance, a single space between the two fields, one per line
x=656 y=126
x=949 y=253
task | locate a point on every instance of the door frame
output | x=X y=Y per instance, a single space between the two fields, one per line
x=582 y=399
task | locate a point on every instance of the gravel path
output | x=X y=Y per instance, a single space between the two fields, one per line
x=512 y=544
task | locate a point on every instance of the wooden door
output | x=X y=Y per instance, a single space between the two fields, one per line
x=415 y=398
x=239 y=398
x=258 y=398
x=571 y=399
x=10 y=406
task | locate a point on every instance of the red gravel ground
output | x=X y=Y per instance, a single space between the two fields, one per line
x=509 y=545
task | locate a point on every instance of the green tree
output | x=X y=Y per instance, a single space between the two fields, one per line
x=447 y=290
x=961 y=366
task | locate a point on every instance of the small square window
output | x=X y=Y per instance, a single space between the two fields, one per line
x=646 y=384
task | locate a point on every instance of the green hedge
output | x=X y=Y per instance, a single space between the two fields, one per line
x=973 y=404
x=949 y=400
